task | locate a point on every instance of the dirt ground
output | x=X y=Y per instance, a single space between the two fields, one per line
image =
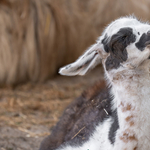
x=28 y=112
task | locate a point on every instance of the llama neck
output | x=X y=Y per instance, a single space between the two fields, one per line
x=133 y=97
x=132 y=100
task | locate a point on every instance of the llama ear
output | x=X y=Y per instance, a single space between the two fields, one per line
x=83 y=64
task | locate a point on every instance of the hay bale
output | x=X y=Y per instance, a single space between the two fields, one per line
x=39 y=36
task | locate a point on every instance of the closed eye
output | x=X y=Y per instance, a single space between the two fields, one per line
x=124 y=37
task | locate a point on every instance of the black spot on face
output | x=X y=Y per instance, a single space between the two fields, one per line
x=112 y=62
x=144 y=41
x=114 y=127
x=141 y=43
x=117 y=47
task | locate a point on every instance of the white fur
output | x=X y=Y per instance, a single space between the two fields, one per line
x=98 y=140
x=136 y=93
x=130 y=88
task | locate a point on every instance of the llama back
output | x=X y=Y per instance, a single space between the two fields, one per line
x=80 y=118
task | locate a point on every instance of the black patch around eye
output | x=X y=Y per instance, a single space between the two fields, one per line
x=117 y=47
x=124 y=36
x=141 y=43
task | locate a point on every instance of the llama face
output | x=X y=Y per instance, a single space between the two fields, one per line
x=125 y=43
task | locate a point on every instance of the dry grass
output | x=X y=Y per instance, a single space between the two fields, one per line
x=28 y=112
x=39 y=36
x=40 y=104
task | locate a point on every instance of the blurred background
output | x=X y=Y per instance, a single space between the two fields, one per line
x=37 y=37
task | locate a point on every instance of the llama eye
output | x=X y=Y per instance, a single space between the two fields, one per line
x=124 y=37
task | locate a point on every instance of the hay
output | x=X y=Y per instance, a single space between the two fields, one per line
x=39 y=36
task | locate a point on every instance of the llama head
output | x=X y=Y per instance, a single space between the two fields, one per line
x=124 y=44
